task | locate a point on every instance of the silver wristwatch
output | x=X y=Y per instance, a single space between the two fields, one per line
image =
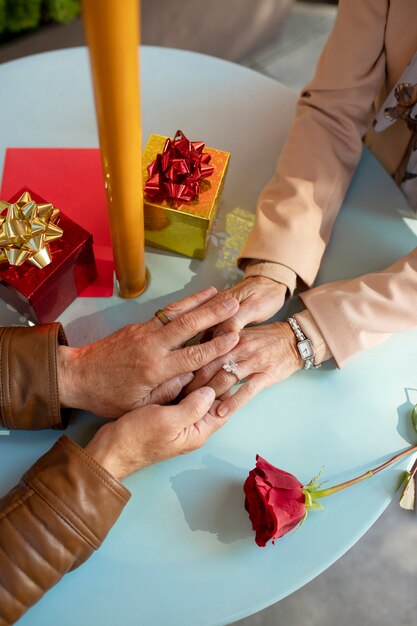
x=304 y=345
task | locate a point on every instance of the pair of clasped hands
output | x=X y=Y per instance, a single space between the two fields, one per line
x=137 y=373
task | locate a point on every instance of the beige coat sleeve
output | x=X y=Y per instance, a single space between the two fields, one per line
x=357 y=314
x=297 y=208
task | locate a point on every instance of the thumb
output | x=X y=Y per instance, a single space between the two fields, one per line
x=209 y=424
x=194 y=406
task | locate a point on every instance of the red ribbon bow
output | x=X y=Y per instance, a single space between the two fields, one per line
x=176 y=174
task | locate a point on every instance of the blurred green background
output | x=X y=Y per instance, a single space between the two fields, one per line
x=19 y=15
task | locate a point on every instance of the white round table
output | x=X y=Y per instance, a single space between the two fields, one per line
x=183 y=552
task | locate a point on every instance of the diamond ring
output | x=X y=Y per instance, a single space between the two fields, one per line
x=231 y=368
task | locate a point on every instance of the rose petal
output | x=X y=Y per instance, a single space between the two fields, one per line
x=289 y=509
x=277 y=477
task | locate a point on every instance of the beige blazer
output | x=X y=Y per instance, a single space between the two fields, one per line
x=370 y=45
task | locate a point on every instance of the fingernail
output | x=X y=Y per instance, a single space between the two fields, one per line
x=186 y=378
x=230 y=303
x=208 y=393
x=222 y=411
x=209 y=291
x=231 y=337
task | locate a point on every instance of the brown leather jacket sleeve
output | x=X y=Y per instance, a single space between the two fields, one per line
x=51 y=522
x=29 y=397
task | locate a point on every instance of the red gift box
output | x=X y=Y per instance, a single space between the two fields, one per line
x=42 y=294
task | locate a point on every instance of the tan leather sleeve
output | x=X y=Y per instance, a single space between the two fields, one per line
x=51 y=522
x=297 y=208
x=357 y=314
x=29 y=395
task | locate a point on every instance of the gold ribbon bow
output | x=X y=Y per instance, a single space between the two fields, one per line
x=26 y=231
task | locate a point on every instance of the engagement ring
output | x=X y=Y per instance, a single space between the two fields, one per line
x=231 y=368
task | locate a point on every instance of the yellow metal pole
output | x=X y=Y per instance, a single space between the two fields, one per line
x=112 y=31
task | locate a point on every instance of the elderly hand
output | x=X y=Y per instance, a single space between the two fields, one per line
x=264 y=355
x=154 y=433
x=144 y=363
x=259 y=298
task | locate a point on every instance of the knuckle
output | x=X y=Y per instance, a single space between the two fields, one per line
x=128 y=329
x=195 y=410
x=204 y=373
x=251 y=387
x=131 y=330
x=196 y=355
x=178 y=307
x=224 y=378
x=187 y=323
x=145 y=343
x=173 y=308
x=220 y=344
x=244 y=340
x=192 y=301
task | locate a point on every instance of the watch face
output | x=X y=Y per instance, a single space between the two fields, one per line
x=305 y=349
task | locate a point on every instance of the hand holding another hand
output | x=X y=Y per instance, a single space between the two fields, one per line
x=154 y=433
x=265 y=355
x=259 y=299
x=144 y=363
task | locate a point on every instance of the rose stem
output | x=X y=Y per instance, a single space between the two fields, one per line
x=328 y=492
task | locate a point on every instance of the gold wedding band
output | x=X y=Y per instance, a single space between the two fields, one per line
x=163 y=317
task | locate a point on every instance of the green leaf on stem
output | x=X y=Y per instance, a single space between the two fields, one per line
x=408 y=496
x=414 y=417
x=314 y=484
x=316 y=506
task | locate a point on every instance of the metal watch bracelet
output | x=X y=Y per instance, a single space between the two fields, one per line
x=304 y=345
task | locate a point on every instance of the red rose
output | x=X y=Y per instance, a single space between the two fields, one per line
x=274 y=500
x=277 y=502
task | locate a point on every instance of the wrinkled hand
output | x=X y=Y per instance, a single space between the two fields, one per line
x=259 y=298
x=144 y=363
x=154 y=433
x=264 y=355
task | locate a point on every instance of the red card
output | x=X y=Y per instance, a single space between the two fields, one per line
x=72 y=180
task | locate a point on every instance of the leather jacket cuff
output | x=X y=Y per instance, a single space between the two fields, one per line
x=29 y=396
x=80 y=491
x=51 y=522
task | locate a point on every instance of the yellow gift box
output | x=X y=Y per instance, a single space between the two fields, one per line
x=183 y=227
